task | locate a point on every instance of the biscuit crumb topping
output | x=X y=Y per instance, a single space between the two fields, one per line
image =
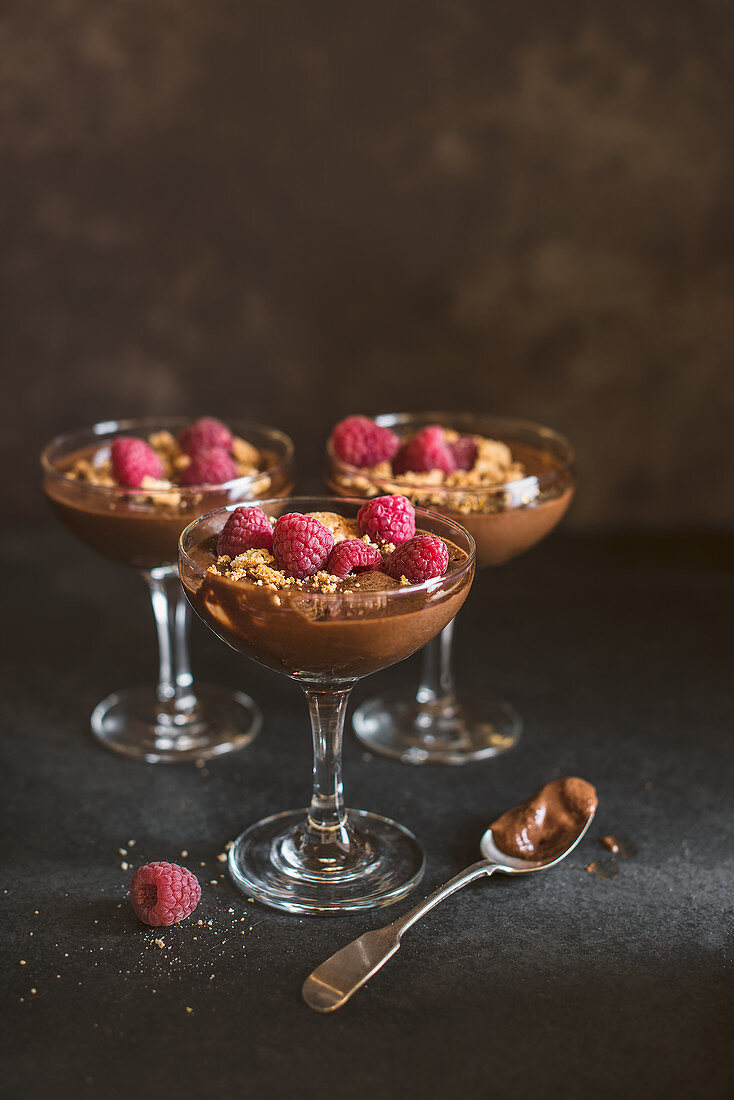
x=95 y=468
x=340 y=527
x=471 y=490
x=260 y=568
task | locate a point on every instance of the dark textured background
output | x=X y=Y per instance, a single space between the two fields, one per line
x=291 y=211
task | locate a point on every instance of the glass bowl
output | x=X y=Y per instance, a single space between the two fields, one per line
x=507 y=518
x=176 y=719
x=324 y=859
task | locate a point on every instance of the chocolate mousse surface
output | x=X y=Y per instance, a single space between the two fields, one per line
x=140 y=527
x=619 y=846
x=322 y=628
x=544 y=825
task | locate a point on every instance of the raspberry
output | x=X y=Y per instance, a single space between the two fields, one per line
x=387 y=519
x=418 y=559
x=209 y=467
x=426 y=450
x=132 y=460
x=464 y=451
x=352 y=556
x=164 y=893
x=360 y=442
x=203 y=434
x=301 y=544
x=246 y=529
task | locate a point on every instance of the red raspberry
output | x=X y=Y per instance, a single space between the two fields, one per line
x=132 y=460
x=426 y=450
x=164 y=893
x=210 y=467
x=203 y=434
x=464 y=451
x=353 y=556
x=419 y=559
x=301 y=544
x=246 y=529
x=360 y=442
x=387 y=519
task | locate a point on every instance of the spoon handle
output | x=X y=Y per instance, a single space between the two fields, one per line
x=476 y=870
x=333 y=983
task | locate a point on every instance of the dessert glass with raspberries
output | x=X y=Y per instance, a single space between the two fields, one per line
x=326 y=591
x=127 y=489
x=509 y=482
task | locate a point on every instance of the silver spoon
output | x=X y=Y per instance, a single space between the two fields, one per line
x=332 y=984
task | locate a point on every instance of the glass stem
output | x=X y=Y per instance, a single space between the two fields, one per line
x=172 y=620
x=436 y=685
x=326 y=832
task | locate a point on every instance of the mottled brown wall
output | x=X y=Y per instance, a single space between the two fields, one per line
x=295 y=210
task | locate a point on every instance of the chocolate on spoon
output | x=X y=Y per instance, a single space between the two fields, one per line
x=544 y=828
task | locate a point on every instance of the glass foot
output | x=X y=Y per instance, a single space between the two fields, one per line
x=437 y=733
x=134 y=722
x=379 y=863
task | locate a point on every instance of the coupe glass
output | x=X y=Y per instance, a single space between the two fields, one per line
x=438 y=725
x=178 y=719
x=324 y=859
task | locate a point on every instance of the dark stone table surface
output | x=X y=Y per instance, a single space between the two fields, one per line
x=617 y=651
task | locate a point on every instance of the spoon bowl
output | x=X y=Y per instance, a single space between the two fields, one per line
x=513 y=865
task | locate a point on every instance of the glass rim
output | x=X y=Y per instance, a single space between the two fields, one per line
x=390 y=420
x=434 y=584
x=107 y=428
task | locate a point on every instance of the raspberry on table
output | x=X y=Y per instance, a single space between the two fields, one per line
x=419 y=559
x=387 y=519
x=426 y=450
x=301 y=545
x=353 y=556
x=204 y=433
x=246 y=529
x=164 y=893
x=132 y=460
x=209 y=467
x=465 y=452
x=361 y=442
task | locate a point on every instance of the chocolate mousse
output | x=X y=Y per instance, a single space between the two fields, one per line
x=544 y=825
x=322 y=626
x=138 y=522
x=619 y=846
x=509 y=493
x=608 y=866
